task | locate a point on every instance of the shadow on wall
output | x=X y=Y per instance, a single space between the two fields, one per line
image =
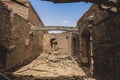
x=3 y=56
x=85 y=47
x=75 y=46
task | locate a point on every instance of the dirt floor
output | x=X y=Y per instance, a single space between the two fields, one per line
x=52 y=66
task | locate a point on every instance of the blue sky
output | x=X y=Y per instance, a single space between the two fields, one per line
x=60 y=14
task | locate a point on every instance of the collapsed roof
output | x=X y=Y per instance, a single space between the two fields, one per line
x=105 y=2
x=96 y=1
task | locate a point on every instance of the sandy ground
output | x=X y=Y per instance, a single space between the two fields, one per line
x=52 y=65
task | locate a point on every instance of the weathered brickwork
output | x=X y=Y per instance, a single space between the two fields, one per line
x=4 y=25
x=17 y=8
x=23 y=44
x=106 y=46
x=46 y=42
x=20 y=31
x=33 y=17
x=66 y=43
x=75 y=47
x=5 y=28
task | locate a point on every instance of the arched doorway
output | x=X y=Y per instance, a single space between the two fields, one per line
x=53 y=44
x=85 y=43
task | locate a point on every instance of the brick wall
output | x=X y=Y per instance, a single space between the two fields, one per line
x=106 y=47
x=65 y=42
x=14 y=30
x=46 y=42
x=4 y=25
x=17 y=8
x=21 y=54
x=5 y=29
x=33 y=17
x=75 y=47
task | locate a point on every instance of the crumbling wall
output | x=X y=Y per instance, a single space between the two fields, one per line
x=84 y=38
x=5 y=29
x=106 y=37
x=34 y=19
x=75 y=47
x=4 y=25
x=22 y=43
x=17 y=8
x=46 y=47
x=64 y=40
x=22 y=54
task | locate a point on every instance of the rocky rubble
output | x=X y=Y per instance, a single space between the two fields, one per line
x=51 y=66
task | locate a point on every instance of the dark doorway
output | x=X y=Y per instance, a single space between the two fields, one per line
x=3 y=56
x=53 y=43
x=75 y=47
x=85 y=46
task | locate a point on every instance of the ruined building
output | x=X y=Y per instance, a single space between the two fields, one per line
x=105 y=35
x=99 y=28
x=96 y=45
x=18 y=43
x=65 y=42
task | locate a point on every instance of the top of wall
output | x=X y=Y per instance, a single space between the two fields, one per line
x=24 y=9
x=18 y=8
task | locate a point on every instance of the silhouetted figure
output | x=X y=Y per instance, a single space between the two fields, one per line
x=3 y=56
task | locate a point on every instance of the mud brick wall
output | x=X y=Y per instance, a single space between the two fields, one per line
x=64 y=42
x=84 y=38
x=5 y=29
x=75 y=47
x=5 y=25
x=106 y=37
x=21 y=54
x=34 y=19
x=14 y=30
x=17 y=8
x=46 y=47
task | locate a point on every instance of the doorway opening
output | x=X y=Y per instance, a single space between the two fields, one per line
x=53 y=43
x=86 y=47
x=3 y=56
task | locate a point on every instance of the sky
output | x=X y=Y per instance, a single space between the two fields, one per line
x=66 y=14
